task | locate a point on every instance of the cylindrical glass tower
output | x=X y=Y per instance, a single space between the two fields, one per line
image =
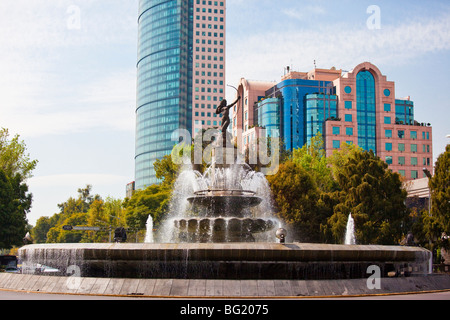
x=164 y=76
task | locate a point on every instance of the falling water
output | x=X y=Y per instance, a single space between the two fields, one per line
x=350 y=232
x=239 y=177
x=149 y=232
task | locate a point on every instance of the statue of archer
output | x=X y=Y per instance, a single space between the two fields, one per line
x=223 y=108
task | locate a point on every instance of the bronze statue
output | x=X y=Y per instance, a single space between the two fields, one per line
x=223 y=108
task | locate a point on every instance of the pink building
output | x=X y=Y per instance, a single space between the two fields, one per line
x=357 y=107
x=243 y=120
x=208 y=63
x=370 y=116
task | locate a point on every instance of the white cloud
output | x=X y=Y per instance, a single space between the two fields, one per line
x=264 y=56
x=305 y=12
x=104 y=103
x=45 y=87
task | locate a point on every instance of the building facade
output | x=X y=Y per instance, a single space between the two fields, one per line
x=370 y=116
x=357 y=107
x=180 y=75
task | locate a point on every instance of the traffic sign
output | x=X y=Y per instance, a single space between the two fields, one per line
x=72 y=228
x=86 y=228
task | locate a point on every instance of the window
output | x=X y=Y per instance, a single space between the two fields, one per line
x=349 y=131
x=387 y=120
x=348 y=118
x=336 y=144
x=402 y=173
x=387 y=92
x=413 y=147
x=414 y=174
x=414 y=135
x=401 y=147
x=388 y=146
x=389 y=159
x=387 y=107
x=348 y=89
x=414 y=161
x=366 y=110
x=336 y=130
x=401 y=160
x=388 y=133
x=348 y=105
x=401 y=134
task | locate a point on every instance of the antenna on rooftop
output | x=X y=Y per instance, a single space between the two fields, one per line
x=315 y=65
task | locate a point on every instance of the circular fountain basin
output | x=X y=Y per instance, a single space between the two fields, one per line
x=295 y=261
x=221 y=229
x=225 y=203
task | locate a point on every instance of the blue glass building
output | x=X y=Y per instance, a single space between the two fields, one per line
x=366 y=111
x=319 y=108
x=404 y=112
x=302 y=106
x=164 y=81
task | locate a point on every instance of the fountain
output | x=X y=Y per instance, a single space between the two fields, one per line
x=221 y=227
x=149 y=231
x=228 y=203
x=350 y=238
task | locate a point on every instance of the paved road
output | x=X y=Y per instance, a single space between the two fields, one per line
x=11 y=295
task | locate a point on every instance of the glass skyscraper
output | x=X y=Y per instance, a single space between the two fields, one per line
x=293 y=103
x=173 y=36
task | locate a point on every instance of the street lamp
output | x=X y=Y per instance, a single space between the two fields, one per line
x=428 y=174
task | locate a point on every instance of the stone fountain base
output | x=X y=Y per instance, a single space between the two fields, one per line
x=240 y=261
x=221 y=230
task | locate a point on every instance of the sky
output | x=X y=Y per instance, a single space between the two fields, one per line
x=68 y=73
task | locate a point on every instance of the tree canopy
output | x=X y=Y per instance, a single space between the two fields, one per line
x=440 y=191
x=15 y=200
x=315 y=195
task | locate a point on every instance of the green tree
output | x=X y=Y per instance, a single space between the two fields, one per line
x=15 y=203
x=297 y=201
x=153 y=201
x=73 y=212
x=166 y=170
x=313 y=159
x=39 y=232
x=15 y=200
x=13 y=156
x=440 y=191
x=373 y=194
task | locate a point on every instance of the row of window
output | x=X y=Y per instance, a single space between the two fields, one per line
x=209 y=66
x=412 y=134
x=203 y=49
x=209 y=74
x=208 y=122
x=414 y=161
x=211 y=58
x=209 y=90
x=210 y=3
x=413 y=147
x=413 y=174
x=210 y=26
x=337 y=131
x=215 y=11
x=208 y=114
